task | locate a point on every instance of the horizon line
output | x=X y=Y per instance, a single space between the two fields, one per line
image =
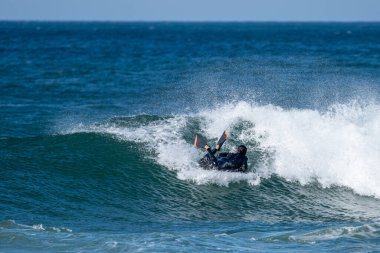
x=188 y=21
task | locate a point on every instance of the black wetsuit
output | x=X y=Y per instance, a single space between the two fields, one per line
x=224 y=161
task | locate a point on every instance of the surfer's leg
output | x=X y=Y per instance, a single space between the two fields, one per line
x=211 y=155
x=221 y=140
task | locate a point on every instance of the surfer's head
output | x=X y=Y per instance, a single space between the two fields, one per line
x=242 y=150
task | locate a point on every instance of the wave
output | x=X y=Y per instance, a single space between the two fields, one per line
x=359 y=232
x=336 y=147
x=242 y=235
x=11 y=224
x=144 y=168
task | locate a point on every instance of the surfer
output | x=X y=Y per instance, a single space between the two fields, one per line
x=236 y=162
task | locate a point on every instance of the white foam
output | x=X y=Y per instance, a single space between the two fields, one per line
x=13 y=224
x=362 y=231
x=340 y=146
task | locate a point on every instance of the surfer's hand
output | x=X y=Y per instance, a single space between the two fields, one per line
x=207 y=147
x=217 y=147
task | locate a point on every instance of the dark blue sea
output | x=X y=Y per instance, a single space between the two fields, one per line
x=97 y=122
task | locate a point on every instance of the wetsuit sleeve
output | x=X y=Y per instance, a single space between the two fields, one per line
x=224 y=154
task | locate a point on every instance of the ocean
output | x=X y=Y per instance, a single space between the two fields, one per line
x=97 y=122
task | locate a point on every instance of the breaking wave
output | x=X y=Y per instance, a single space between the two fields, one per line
x=336 y=147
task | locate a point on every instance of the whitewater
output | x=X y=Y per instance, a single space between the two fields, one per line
x=340 y=146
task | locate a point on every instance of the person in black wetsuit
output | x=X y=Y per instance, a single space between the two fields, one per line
x=236 y=162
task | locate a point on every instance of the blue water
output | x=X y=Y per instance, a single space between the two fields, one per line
x=97 y=122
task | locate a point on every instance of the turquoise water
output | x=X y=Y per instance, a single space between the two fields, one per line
x=97 y=122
